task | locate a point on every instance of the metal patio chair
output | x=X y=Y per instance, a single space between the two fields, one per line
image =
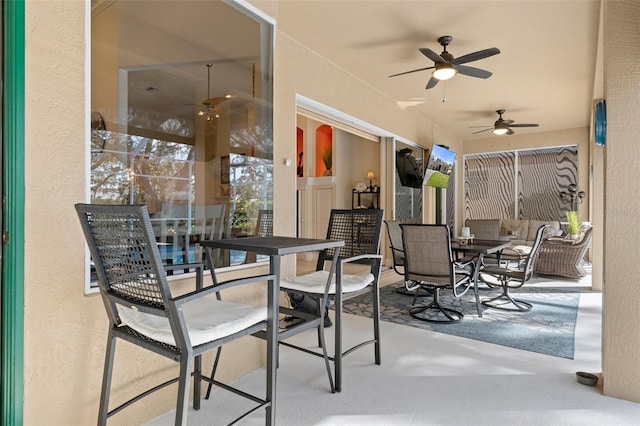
x=361 y=230
x=143 y=311
x=430 y=264
x=512 y=277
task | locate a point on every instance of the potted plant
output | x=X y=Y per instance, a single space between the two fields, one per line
x=239 y=222
x=326 y=159
x=573 y=225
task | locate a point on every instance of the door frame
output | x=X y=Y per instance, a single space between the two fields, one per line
x=12 y=274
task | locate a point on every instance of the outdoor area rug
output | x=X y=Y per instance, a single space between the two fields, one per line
x=548 y=328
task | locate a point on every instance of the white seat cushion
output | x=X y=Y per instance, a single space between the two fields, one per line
x=315 y=282
x=207 y=319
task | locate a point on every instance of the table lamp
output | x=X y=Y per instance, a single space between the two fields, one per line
x=370 y=176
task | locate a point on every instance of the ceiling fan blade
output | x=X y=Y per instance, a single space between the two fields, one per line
x=507 y=123
x=524 y=125
x=432 y=83
x=480 y=131
x=473 y=72
x=216 y=101
x=475 y=56
x=409 y=72
x=510 y=132
x=432 y=55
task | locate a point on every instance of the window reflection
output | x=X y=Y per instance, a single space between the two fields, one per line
x=186 y=120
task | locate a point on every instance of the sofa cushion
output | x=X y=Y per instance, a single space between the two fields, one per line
x=517 y=228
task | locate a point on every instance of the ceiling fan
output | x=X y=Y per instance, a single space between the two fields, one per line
x=446 y=65
x=502 y=126
x=211 y=106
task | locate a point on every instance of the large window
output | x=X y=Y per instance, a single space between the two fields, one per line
x=182 y=120
x=519 y=184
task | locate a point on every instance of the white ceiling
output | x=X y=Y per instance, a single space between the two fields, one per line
x=544 y=73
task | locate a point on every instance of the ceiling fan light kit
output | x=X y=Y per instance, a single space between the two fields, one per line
x=210 y=106
x=445 y=65
x=502 y=126
x=444 y=72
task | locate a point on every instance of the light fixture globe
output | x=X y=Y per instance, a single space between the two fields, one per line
x=500 y=130
x=444 y=71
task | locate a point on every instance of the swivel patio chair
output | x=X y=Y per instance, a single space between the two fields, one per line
x=394 y=233
x=142 y=310
x=360 y=229
x=512 y=277
x=430 y=264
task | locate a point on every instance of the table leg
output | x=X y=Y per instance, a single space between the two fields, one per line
x=272 y=338
x=476 y=273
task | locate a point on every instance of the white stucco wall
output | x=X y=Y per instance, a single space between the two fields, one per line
x=621 y=325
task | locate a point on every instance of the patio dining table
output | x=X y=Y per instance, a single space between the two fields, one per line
x=479 y=249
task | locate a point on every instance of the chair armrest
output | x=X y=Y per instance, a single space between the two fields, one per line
x=222 y=286
x=360 y=257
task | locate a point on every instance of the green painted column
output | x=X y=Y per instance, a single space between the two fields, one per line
x=11 y=370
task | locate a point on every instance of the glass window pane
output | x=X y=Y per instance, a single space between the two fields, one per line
x=182 y=120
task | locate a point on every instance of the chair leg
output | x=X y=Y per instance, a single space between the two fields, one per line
x=213 y=372
x=375 y=289
x=323 y=345
x=337 y=356
x=451 y=315
x=197 y=381
x=106 y=380
x=182 y=406
x=505 y=299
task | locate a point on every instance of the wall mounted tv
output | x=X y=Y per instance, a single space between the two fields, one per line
x=409 y=168
x=439 y=167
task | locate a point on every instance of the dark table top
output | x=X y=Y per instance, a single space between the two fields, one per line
x=273 y=246
x=480 y=246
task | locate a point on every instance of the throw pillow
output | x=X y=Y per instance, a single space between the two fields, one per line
x=550 y=232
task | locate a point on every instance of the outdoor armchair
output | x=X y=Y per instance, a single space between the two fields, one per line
x=360 y=229
x=429 y=263
x=512 y=277
x=143 y=311
x=562 y=257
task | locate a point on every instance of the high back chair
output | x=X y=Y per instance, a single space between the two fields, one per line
x=264 y=226
x=207 y=224
x=361 y=231
x=512 y=277
x=397 y=253
x=430 y=264
x=142 y=310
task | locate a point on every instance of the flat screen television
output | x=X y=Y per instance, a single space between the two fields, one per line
x=439 y=167
x=409 y=168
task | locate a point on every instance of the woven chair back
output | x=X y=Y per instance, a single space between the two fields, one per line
x=125 y=255
x=360 y=229
x=264 y=226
